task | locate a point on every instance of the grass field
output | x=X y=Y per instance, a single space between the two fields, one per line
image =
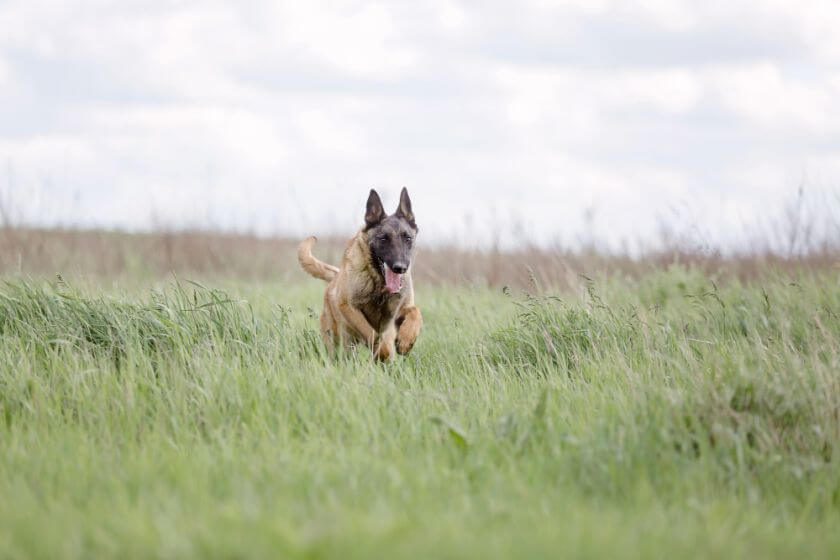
x=669 y=415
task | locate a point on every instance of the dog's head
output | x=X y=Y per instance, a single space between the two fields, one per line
x=390 y=238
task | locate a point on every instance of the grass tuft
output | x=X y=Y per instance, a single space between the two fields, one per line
x=50 y=317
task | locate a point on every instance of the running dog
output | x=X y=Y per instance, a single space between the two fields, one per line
x=370 y=297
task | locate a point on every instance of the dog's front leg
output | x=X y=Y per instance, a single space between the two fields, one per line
x=386 y=345
x=359 y=322
x=409 y=321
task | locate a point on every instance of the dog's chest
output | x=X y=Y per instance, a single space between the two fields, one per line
x=379 y=309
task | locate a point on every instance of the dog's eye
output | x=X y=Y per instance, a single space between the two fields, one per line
x=406 y=237
x=383 y=238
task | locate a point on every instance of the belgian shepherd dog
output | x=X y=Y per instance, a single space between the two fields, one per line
x=370 y=296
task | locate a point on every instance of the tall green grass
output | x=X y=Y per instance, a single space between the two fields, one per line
x=743 y=380
x=667 y=416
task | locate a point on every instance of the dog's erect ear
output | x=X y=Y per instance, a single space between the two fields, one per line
x=404 y=209
x=375 y=212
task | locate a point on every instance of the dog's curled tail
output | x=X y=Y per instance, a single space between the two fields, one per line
x=312 y=265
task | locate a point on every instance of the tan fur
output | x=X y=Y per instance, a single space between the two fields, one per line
x=358 y=308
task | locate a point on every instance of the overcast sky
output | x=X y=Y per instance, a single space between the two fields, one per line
x=277 y=117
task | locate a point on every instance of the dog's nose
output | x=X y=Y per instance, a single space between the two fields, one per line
x=399 y=268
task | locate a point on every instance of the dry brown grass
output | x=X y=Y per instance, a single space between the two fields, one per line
x=39 y=252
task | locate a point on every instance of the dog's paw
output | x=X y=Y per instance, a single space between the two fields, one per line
x=383 y=348
x=409 y=325
x=383 y=353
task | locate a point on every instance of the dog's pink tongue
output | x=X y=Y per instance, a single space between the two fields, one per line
x=393 y=281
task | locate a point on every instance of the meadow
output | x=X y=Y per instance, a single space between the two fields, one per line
x=658 y=410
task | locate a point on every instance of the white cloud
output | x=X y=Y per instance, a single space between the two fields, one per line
x=5 y=73
x=324 y=133
x=451 y=15
x=668 y=90
x=229 y=133
x=573 y=98
x=815 y=22
x=359 y=40
x=673 y=15
x=759 y=92
x=53 y=150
